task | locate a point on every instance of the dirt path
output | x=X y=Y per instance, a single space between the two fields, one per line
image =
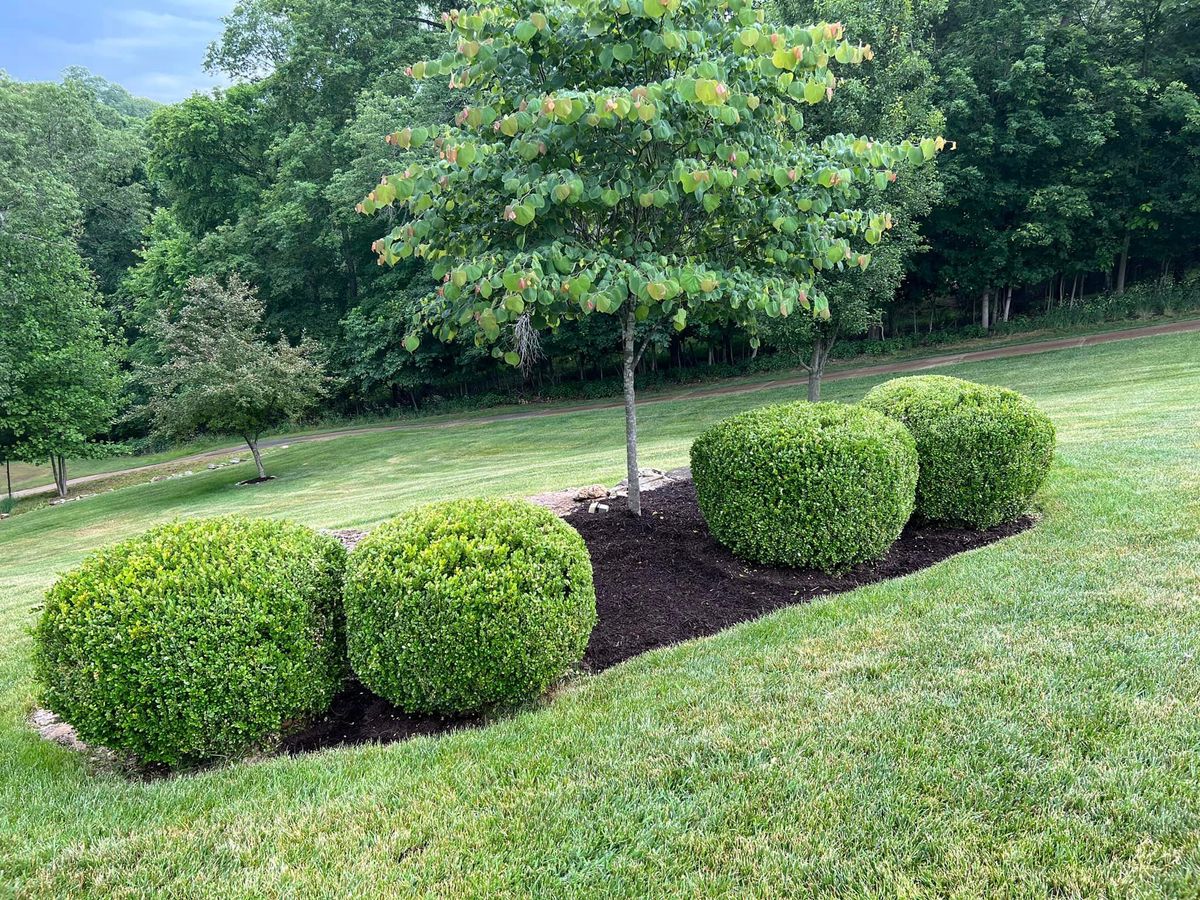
x=912 y=365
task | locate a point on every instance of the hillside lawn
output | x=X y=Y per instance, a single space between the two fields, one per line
x=1023 y=720
x=28 y=477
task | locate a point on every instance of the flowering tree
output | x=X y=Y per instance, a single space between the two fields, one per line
x=639 y=158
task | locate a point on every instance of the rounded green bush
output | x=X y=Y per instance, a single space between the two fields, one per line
x=457 y=605
x=819 y=485
x=197 y=640
x=984 y=450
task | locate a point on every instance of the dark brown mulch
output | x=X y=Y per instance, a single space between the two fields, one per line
x=359 y=717
x=660 y=580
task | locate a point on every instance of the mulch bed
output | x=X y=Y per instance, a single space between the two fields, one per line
x=660 y=579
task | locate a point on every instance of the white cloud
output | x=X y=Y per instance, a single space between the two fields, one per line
x=138 y=32
x=147 y=20
x=205 y=7
x=170 y=86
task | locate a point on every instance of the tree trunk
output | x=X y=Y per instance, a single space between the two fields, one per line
x=1007 y=302
x=628 y=363
x=985 y=303
x=59 y=466
x=351 y=266
x=1122 y=265
x=252 y=443
x=816 y=368
x=8 y=476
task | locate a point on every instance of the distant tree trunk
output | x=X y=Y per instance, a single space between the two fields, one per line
x=351 y=266
x=252 y=443
x=8 y=476
x=1122 y=265
x=816 y=365
x=1007 y=302
x=58 y=465
x=985 y=303
x=629 y=363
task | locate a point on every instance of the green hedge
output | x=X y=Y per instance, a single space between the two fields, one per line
x=458 y=605
x=819 y=485
x=984 y=450
x=198 y=640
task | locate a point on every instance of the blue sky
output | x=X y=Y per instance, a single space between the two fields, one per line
x=155 y=48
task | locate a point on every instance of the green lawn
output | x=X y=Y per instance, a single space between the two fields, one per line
x=1020 y=721
x=25 y=475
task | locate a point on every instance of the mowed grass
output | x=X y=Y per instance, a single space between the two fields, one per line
x=1019 y=721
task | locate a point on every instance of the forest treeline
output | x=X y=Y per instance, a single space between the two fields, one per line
x=1072 y=191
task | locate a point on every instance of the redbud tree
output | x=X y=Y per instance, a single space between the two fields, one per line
x=639 y=158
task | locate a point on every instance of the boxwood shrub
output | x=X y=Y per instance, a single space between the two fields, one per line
x=820 y=485
x=984 y=450
x=458 y=605
x=198 y=640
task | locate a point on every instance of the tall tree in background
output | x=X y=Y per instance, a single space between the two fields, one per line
x=69 y=132
x=258 y=173
x=58 y=363
x=646 y=161
x=891 y=99
x=1072 y=126
x=220 y=373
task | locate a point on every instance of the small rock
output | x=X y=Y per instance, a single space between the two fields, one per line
x=648 y=480
x=189 y=472
x=597 y=506
x=349 y=537
x=43 y=717
x=52 y=728
x=233 y=460
x=592 y=492
x=213 y=466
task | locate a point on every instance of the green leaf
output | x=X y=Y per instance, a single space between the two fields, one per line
x=623 y=53
x=411 y=343
x=512 y=358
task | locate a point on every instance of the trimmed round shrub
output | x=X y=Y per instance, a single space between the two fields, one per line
x=984 y=450
x=197 y=640
x=814 y=485
x=458 y=605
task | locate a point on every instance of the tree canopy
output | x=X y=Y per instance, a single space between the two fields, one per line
x=645 y=158
x=221 y=374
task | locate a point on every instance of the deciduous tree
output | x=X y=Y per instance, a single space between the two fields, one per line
x=222 y=374
x=644 y=159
